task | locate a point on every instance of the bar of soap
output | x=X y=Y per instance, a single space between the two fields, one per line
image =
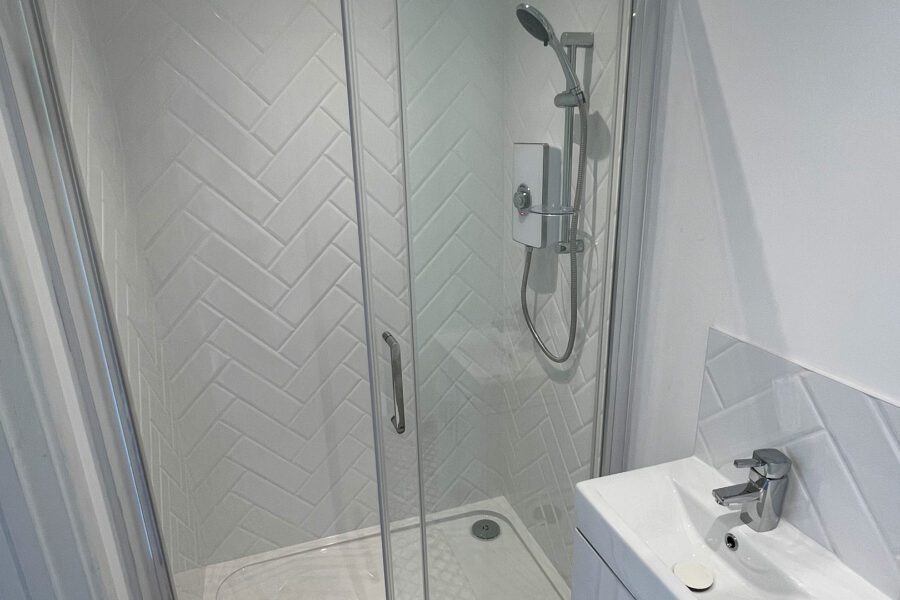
x=694 y=575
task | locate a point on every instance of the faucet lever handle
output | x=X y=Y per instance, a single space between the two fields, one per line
x=773 y=462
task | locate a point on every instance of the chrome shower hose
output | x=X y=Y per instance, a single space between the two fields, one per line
x=573 y=256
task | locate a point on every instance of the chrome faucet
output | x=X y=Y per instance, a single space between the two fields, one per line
x=761 y=499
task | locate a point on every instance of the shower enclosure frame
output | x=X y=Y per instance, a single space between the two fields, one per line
x=64 y=228
x=639 y=129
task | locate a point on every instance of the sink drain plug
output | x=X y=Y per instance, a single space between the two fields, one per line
x=486 y=529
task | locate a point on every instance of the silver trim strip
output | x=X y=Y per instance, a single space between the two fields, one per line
x=643 y=60
x=357 y=154
x=404 y=146
x=613 y=208
x=90 y=332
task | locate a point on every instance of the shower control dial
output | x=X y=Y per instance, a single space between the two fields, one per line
x=522 y=199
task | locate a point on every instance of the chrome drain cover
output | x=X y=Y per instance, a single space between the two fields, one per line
x=485 y=529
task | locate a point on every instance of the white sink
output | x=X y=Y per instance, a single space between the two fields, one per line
x=643 y=522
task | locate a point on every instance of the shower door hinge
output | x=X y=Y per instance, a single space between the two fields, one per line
x=565 y=247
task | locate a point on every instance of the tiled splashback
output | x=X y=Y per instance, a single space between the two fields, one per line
x=845 y=481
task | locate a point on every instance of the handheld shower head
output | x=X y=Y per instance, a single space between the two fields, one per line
x=535 y=23
x=538 y=26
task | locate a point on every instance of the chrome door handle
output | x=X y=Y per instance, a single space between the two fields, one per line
x=399 y=418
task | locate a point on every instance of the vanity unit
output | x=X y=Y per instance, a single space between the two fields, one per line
x=634 y=527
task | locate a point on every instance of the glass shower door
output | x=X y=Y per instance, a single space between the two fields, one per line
x=370 y=38
x=212 y=182
x=505 y=433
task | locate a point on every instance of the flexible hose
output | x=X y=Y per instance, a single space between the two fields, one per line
x=573 y=237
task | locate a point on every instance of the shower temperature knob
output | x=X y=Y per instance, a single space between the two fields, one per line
x=522 y=199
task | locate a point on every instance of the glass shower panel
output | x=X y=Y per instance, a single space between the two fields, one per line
x=214 y=149
x=505 y=433
x=377 y=137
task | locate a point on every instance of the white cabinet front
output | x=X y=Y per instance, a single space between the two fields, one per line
x=592 y=579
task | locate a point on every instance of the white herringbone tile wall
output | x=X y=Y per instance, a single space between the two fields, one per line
x=552 y=407
x=234 y=151
x=844 y=444
x=452 y=74
x=496 y=417
x=231 y=138
x=378 y=84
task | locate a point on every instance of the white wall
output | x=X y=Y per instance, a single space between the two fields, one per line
x=773 y=205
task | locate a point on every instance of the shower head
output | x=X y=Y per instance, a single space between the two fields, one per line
x=535 y=23
x=538 y=26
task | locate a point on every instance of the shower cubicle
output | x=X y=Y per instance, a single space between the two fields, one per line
x=297 y=225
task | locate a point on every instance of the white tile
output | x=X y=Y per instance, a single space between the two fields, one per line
x=149 y=157
x=270 y=497
x=217 y=35
x=717 y=343
x=194 y=62
x=800 y=511
x=300 y=153
x=742 y=371
x=136 y=38
x=709 y=398
x=183 y=341
x=846 y=521
x=242 y=232
x=272 y=528
x=217 y=128
x=310 y=194
x=144 y=101
x=316 y=327
x=891 y=416
x=865 y=443
x=302 y=96
x=309 y=243
x=168 y=195
x=313 y=285
x=296 y=46
x=205 y=411
x=183 y=287
x=196 y=376
x=211 y=449
x=248 y=313
x=318 y=401
x=766 y=420
x=220 y=523
x=240 y=271
x=262 y=22
x=221 y=175
x=173 y=244
x=264 y=430
x=257 y=392
x=267 y=464
x=315 y=452
x=253 y=354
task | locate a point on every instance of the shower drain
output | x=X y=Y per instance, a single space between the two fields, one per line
x=485 y=529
